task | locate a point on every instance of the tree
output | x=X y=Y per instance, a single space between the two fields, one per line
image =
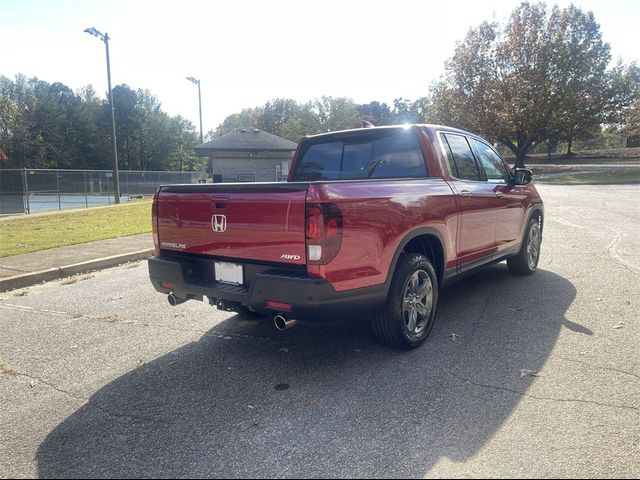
x=540 y=76
x=17 y=102
x=406 y=111
x=336 y=113
x=376 y=113
x=50 y=125
x=128 y=123
x=276 y=114
x=291 y=120
x=245 y=118
x=625 y=119
x=632 y=124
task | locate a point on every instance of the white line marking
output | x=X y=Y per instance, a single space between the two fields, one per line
x=12 y=306
x=564 y=222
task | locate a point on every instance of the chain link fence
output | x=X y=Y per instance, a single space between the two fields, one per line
x=36 y=190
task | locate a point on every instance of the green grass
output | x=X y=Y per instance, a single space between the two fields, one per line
x=32 y=233
x=599 y=157
x=622 y=176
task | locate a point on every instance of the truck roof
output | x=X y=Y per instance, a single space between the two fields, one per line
x=390 y=127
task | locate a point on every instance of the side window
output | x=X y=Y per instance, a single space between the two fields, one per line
x=465 y=164
x=453 y=170
x=491 y=162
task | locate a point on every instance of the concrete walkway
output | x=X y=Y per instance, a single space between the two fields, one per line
x=21 y=271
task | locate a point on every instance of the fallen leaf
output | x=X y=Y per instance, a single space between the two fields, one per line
x=251 y=406
x=284 y=349
x=454 y=336
x=141 y=362
x=33 y=382
x=529 y=373
x=308 y=403
x=619 y=325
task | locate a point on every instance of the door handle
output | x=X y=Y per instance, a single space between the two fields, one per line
x=465 y=193
x=499 y=194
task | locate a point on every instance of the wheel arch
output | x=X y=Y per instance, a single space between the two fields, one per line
x=537 y=212
x=426 y=241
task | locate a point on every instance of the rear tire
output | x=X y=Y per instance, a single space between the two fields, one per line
x=526 y=260
x=408 y=316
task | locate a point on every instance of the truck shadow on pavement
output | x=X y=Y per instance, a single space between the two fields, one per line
x=322 y=400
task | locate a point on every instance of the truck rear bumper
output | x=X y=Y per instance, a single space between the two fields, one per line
x=267 y=290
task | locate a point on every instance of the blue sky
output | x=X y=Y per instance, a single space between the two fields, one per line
x=248 y=52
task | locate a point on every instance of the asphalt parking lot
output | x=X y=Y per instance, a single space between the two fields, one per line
x=521 y=377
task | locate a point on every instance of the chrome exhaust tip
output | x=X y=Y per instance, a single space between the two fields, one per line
x=173 y=300
x=282 y=323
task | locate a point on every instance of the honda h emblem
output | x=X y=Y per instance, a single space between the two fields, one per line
x=218 y=223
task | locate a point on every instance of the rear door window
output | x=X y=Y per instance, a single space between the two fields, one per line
x=464 y=166
x=378 y=154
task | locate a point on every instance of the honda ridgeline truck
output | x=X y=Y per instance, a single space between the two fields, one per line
x=371 y=222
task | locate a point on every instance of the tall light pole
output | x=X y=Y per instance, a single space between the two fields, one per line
x=197 y=82
x=116 y=179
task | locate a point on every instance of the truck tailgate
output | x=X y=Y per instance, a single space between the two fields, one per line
x=251 y=221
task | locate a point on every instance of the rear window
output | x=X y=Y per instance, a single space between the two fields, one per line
x=380 y=154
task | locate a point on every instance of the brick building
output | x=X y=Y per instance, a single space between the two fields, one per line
x=248 y=155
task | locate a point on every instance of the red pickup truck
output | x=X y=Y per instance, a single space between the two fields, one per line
x=370 y=223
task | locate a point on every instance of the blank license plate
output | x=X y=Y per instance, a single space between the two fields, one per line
x=228 y=273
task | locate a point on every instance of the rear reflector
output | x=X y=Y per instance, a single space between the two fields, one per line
x=169 y=285
x=315 y=252
x=279 y=306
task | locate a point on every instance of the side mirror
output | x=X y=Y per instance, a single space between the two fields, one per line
x=522 y=176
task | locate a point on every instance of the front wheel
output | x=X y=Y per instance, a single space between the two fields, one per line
x=526 y=260
x=408 y=316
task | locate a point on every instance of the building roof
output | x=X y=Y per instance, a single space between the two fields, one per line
x=247 y=139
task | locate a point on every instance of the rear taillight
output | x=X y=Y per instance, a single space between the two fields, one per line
x=154 y=225
x=324 y=232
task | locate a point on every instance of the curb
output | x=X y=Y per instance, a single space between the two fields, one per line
x=56 y=273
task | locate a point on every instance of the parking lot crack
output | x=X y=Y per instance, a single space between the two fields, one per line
x=33 y=381
x=538 y=397
x=579 y=362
